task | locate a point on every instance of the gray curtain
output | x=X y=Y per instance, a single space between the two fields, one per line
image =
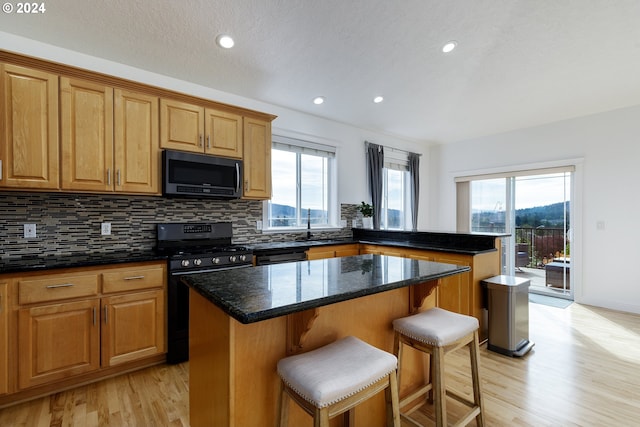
x=375 y=163
x=414 y=177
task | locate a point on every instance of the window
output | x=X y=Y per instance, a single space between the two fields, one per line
x=303 y=186
x=395 y=192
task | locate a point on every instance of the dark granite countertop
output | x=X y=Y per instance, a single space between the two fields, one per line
x=460 y=243
x=260 y=293
x=260 y=248
x=27 y=264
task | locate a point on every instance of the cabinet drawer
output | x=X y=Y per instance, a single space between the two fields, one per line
x=56 y=287
x=130 y=279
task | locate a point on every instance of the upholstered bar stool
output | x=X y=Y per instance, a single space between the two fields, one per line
x=438 y=332
x=334 y=379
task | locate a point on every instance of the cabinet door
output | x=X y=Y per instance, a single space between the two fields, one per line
x=370 y=249
x=419 y=254
x=257 y=159
x=87 y=135
x=29 y=152
x=320 y=253
x=133 y=327
x=4 y=339
x=181 y=126
x=137 y=146
x=347 y=250
x=58 y=341
x=223 y=133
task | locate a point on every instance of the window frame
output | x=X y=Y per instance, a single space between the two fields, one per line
x=300 y=147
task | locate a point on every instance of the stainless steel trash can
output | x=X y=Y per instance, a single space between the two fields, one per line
x=508 y=304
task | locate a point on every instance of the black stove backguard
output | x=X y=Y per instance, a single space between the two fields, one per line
x=192 y=248
x=178 y=237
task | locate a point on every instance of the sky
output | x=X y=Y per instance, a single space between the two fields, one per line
x=283 y=165
x=540 y=190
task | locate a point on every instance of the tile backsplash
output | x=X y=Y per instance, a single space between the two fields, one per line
x=70 y=223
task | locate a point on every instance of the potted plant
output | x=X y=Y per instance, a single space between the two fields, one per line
x=367 y=213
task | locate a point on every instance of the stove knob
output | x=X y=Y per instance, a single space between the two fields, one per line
x=233 y=258
x=197 y=261
x=243 y=258
x=215 y=260
x=185 y=263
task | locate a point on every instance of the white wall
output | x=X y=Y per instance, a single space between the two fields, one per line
x=349 y=139
x=607 y=185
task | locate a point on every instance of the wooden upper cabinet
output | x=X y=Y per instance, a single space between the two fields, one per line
x=109 y=139
x=190 y=127
x=223 y=133
x=181 y=126
x=257 y=159
x=137 y=146
x=87 y=135
x=29 y=152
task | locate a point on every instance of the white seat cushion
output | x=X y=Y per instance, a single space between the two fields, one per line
x=336 y=371
x=436 y=327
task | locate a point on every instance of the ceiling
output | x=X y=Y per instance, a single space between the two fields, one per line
x=518 y=63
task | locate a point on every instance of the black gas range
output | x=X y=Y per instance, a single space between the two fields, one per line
x=193 y=248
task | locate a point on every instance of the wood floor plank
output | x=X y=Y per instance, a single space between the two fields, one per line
x=583 y=371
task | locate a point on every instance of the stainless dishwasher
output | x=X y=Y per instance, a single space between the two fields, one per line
x=278 y=256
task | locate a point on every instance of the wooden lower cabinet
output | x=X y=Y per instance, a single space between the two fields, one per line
x=4 y=339
x=332 y=251
x=132 y=326
x=58 y=341
x=77 y=325
x=461 y=293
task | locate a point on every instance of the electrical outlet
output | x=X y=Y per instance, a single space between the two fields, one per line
x=259 y=225
x=30 y=231
x=343 y=223
x=105 y=229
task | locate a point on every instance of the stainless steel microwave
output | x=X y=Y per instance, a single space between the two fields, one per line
x=200 y=175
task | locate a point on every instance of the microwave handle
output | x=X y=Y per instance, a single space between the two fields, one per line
x=237 y=177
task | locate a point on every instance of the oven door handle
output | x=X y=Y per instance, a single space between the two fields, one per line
x=208 y=270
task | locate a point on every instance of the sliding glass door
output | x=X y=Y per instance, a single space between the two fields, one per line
x=535 y=209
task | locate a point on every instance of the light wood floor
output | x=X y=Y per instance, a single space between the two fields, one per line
x=583 y=371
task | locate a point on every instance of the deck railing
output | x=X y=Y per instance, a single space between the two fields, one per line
x=543 y=244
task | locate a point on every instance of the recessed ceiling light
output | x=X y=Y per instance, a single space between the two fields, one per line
x=318 y=100
x=378 y=99
x=449 y=46
x=225 y=41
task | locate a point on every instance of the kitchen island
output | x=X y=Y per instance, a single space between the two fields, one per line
x=243 y=321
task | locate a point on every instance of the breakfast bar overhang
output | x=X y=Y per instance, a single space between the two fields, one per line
x=242 y=321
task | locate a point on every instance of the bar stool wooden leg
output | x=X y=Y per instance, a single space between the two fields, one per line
x=474 y=349
x=284 y=407
x=439 y=388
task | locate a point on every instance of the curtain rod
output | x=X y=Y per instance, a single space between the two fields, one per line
x=397 y=150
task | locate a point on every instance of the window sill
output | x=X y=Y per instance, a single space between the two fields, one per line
x=300 y=230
